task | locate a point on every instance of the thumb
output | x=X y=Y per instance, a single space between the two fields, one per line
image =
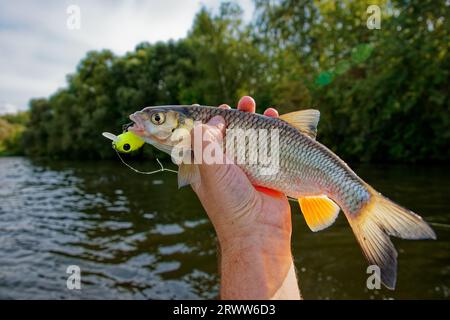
x=207 y=142
x=216 y=128
x=216 y=170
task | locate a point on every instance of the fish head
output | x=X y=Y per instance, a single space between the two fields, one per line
x=159 y=126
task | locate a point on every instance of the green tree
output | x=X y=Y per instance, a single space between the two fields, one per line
x=228 y=58
x=383 y=94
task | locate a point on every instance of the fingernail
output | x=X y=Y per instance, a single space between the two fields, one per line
x=247 y=104
x=271 y=112
x=217 y=121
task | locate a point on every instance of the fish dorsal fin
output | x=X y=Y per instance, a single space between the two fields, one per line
x=305 y=120
x=319 y=211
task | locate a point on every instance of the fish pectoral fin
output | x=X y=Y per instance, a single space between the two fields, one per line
x=319 y=211
x=305 y=120
x=188 y=174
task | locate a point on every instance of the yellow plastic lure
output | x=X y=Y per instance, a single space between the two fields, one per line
x=126 y=142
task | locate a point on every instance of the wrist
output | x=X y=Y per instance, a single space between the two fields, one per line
x=255 y=232
x=267 y=241
x=255 y=268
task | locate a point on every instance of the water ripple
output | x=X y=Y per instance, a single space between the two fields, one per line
x=139 y=237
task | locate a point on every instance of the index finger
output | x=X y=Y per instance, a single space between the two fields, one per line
x=247 y=104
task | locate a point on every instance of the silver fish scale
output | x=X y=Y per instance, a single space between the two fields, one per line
x=306 y=167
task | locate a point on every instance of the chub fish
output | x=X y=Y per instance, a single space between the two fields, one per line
x=308 y=171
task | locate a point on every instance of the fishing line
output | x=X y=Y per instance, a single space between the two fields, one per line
x=145 y=172
x=292 y=199
x=436 y=224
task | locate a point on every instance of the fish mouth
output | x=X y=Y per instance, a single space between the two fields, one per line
x=138 y=126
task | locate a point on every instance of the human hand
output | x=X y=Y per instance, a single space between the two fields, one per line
x=253 y=224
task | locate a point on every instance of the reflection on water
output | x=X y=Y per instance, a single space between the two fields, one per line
x=139 y=237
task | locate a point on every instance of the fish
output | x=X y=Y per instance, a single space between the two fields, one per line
x=308 y=171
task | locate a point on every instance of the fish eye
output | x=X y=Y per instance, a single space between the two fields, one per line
x=158 y=118
x=126 y=147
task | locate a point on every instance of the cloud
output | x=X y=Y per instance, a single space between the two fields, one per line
x=7 y=108
x=37 y=50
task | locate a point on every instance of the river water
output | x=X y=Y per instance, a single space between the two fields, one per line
x=139 y=237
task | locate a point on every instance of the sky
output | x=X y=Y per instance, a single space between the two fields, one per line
x=38 y=49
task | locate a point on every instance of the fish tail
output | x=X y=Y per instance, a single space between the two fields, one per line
x=375 y=222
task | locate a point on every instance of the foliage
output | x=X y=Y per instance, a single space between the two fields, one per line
x=383 y=94
x=11 y=129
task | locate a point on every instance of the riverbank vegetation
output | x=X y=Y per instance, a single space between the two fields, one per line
x=12 y=127
x=383 y=93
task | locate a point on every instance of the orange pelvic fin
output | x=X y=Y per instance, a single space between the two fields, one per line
x=319 y=211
